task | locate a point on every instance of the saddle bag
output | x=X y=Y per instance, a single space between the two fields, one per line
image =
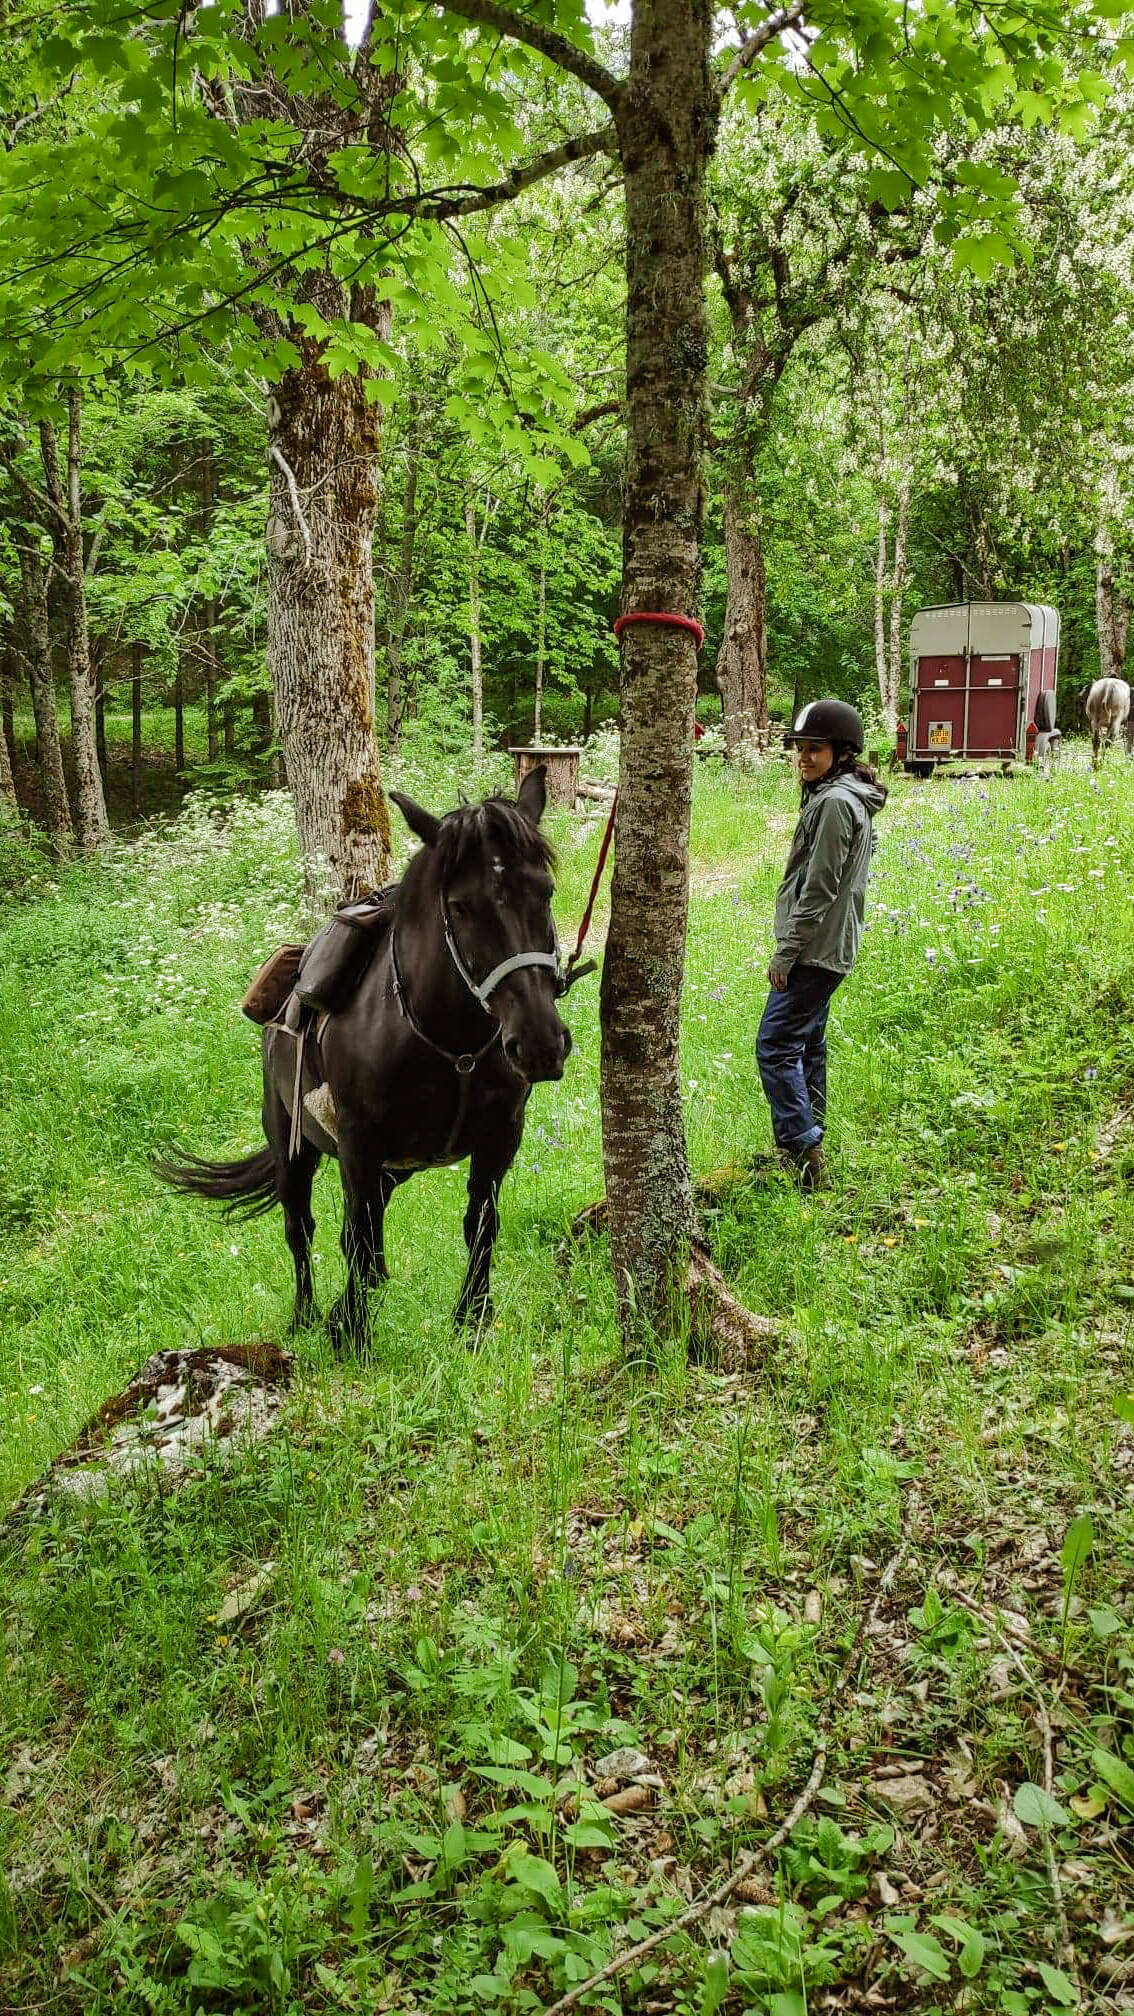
x=339 y=954
x=273 y=983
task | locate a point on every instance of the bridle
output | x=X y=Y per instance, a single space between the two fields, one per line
x=465 y=1062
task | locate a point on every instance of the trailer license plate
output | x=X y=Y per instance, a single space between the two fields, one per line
x=941 y=734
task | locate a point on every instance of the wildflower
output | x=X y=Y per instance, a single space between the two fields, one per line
x=1089 y=1074
x=931 y=955
x=1058 y=1147
x=921 y=1223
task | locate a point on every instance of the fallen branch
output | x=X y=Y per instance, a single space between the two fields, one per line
x=1004 y=1629
x=753 y=1856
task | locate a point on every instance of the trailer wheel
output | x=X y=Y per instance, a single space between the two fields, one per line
x=1045 y=712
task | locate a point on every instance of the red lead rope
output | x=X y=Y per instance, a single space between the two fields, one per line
x=585 y=926
x=657 y=616
x=633 y=616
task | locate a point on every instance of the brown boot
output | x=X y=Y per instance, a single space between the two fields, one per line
x=812 y=1170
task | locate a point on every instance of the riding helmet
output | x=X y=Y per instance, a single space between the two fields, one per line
x=828 y=721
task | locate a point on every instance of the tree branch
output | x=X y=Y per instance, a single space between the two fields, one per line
x=440 y=207
x=546 y=42
x=786 y=17
x=590 y=414
x=293 y=492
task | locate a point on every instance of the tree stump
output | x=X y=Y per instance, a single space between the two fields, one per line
x=562 y=771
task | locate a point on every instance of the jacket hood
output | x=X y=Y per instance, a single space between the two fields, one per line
x=871 y=796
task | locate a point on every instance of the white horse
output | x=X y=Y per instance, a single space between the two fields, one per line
x=1108 y=712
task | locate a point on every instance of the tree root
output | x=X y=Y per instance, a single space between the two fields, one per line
x=723 y=1331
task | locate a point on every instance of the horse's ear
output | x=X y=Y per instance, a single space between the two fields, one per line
x=532 y=794
x=419 y=821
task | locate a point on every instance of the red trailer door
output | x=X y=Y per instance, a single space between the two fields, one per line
x=939 y=705
x=994 y=705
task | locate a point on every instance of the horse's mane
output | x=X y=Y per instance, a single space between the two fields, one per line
x=496 y=827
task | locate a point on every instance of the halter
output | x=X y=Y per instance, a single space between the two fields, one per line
x=465 y=1062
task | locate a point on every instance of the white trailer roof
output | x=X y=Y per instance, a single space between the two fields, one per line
x=950 y=628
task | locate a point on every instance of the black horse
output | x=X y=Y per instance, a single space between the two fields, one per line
x=427 y=1063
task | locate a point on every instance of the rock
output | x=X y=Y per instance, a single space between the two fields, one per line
x=908 y=1794
x=623 y=1766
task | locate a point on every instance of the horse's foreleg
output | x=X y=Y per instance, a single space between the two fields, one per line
x=482 y=1223
x=365 y=1196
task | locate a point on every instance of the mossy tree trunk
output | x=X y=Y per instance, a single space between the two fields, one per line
x=323 y=441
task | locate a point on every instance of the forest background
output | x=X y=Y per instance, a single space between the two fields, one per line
x=917 y=395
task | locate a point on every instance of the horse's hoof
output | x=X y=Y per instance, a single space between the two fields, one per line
x=348 y=1333
x=474 y=1320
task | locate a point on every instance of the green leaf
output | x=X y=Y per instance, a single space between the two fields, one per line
x=1057 y=1984
x=1117 y=1775
x=1104 y=1621
x=1077 y=1546
x=925 y=1951
x=716 y=1985
x=536 y=1874
x=1037 y=1808
x=1124 y=1403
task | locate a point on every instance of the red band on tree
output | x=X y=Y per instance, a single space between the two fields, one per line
x=657 y=616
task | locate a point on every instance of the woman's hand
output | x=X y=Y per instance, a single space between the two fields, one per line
x=778 y=976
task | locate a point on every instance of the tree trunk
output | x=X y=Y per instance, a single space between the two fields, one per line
x=208 y=632
x=92 y=827
x=56 y=811
x=1112 y=607
x=9 y=804
x=8 y=677
x=179 y=715
x=666 y=126
x=99 y=715
x=476 y=672
x=262 y=722
x=541 y=643
x=881 y=665
x=891 y=692
x=323 y=445
x=742 y=662
x=137 y=650
x=400 y=592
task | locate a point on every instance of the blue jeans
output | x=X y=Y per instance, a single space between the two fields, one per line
x=791 y=1050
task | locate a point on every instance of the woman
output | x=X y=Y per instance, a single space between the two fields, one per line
x=818 y=925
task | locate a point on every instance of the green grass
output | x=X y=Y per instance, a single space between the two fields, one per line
x=491 y=1568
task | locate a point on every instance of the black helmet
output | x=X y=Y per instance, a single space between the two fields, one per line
x=828 y=721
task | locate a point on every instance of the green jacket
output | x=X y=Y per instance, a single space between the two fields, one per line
x=821 y=900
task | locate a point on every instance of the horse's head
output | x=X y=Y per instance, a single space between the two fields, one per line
x=490 y=870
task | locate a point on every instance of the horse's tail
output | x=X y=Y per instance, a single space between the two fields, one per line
x=247 y=1189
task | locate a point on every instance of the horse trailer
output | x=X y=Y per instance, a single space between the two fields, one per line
x=982 y=683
